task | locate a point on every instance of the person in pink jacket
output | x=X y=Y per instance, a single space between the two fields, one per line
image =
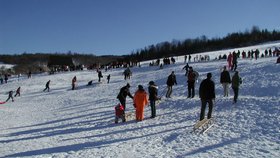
x=229 y=60
x=140 y=101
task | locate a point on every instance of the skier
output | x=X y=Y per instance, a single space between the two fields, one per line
x=171 y=80
x=191 y=82
x=74 y=82
x=47 y=86
x=225 y=81
x=153 y=97
x=119 y=113
x=124 y=92
x=99 y=76
x=207 y=95
x=140 y=100
x=10 y=96
x=17 y=92
x=236 y=81
x=108 y=78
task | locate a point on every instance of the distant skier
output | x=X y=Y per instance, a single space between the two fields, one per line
x=124 y=92
x=108 y=78
x=171 y=80
x=207 y=95
x=17 y=92
x=236 y=81
x=119 y=113
x=225 y=80
x=47 y=86
x=10 y=96
x=153 y=97
x=74 y=82
x=99 y=76
x=140 y=100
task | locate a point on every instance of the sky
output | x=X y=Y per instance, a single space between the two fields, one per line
x=119 y=27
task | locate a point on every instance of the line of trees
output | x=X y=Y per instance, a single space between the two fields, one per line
x=203 y=44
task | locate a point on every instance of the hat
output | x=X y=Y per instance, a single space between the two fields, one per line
x=140 y=87
x=151 y=83
x=209 y=75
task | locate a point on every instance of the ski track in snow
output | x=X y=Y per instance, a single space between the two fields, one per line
x=80 y=123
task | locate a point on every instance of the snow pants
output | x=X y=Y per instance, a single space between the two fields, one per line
x=153 y=108
x=226 y=89
x=203 y=107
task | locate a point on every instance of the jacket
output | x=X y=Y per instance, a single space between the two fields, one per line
x=171 y=80
x=236 y=81
x=207 y=89
x=140 y=99
x=153 y=92
x=225 y=77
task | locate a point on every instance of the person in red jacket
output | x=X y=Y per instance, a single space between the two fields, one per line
x=140 y=101
x=119 y=112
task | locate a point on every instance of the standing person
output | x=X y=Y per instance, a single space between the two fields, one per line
x=207 y=95
x=171 y=80
x=29 y=74
x=229 y=60
x=140 y=100
x=186 y=67
x=47 y=86
x=1 y=79
x=225 y=81
x=234 y=61
x=17 y=92
x=153 y=97
x=124 y=92
x=191 y=82
x=10 y=96
x=99 y=76
x=6 y=78
x=236 y=81
x=108 y=78
x=74 y=82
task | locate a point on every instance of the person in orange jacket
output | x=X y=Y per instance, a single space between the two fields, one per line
x=140 y=101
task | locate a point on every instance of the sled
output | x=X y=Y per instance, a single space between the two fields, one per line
x=2 y=102
x=203 y=126
x=129 y=115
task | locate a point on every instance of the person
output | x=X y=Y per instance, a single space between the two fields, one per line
x=6 y=78
x=229 y=60
x=234 y=61
x=99 y=76
x=278 y=60
x=171 y=80
x=17 y=92
x=191 y=83
x=119 y=113
x=1 y=79
x=108 y=78
x=10 y=96
x=124 y=92
x=140 y=100
x=153 y=97
x=29 y=74
x=47 y=86
x=225 y=80
x=207 y=95
x=236 y=81
x=186 y=67
x=74 y=82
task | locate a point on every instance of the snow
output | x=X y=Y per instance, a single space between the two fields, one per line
x=80 y=123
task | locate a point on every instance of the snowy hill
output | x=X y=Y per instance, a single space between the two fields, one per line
x=80 y=123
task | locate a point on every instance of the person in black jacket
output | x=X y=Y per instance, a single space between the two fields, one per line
x=10 y=96
x=124 y=92
x=171 y=80
x=207 y=95
x=153 y=97
x=225 y=81
x=47 y=86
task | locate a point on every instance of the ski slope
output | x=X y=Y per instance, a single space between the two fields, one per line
x=80 y=123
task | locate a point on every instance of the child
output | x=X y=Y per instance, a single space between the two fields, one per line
x=119 y=111
x=10 y=96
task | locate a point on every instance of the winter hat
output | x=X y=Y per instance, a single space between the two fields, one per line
x=128 y=85
x=209 y=75
x=140 y=87
x=151 y=83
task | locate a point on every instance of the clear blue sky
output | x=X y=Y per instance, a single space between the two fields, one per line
x=117 y=27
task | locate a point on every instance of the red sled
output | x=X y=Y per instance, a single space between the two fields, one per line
x=2 y=102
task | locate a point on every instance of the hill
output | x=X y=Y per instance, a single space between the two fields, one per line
x=80 y=123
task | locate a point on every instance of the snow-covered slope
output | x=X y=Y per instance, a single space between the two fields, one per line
x=80 y=123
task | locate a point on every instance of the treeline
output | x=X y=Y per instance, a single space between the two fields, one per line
x=203 y=44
